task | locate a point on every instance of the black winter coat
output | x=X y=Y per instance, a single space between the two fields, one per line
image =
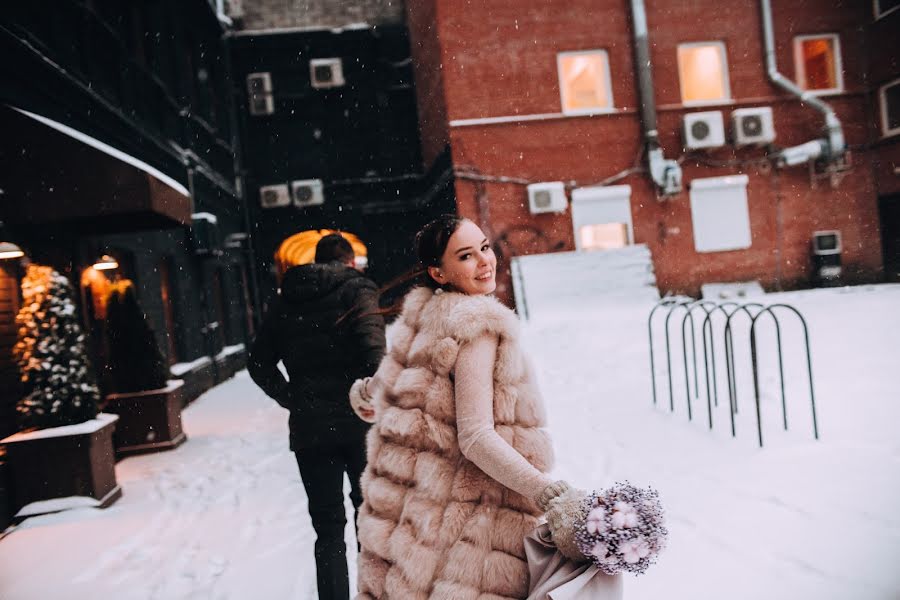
x=322 y=356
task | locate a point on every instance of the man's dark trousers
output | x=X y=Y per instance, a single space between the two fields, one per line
x=322 y=469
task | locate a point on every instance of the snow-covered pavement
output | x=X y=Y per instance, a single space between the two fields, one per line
x=224 y=516
x=221 y=517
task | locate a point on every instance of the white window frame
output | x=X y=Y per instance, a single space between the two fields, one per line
x=562 y=88
x=880 y=15
x=726 y=75
x=800 y=66
x=882 y=101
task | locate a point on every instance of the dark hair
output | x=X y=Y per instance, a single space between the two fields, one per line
x=431 y=243
x=334 y=248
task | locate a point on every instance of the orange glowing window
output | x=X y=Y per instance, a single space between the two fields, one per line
x=584 y=82
x=603 y=236
x=703 y=73
x=817 y=59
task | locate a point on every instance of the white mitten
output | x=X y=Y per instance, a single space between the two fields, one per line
x=564 y=506
x=361 y=402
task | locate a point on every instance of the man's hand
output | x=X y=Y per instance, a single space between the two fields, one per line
x=360 y=401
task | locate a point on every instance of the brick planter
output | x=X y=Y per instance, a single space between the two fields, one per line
x=63 y=467
x=198 y=377
x=149 y=421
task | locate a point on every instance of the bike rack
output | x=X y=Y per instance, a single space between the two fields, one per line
x=730 y=311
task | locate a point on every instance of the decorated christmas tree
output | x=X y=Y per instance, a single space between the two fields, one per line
x=58 y=382
x=135 y=361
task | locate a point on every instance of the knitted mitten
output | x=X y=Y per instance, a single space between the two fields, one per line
x=361 y=402
x=563 y=505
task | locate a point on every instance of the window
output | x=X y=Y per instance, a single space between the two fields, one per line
x=817 y=60
x=889 y=98
x=884 y=7
x=584 y=82
x=703 y=73
x=719 y=213
x=601 y=217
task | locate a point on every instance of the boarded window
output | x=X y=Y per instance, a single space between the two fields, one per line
x=703 y=73
x=584 y=82
x=817 y=59
x=719 y=213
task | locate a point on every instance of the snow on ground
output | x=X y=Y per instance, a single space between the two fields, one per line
x=221 y=517
x=224 y=516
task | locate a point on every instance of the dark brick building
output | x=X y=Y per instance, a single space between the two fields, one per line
x=525 y=92
x=119 y=138
x=329 y=130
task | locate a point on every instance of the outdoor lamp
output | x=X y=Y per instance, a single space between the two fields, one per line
x=105 y=263
x=10 y=250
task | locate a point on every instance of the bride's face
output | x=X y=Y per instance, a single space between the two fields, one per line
x=469 y=264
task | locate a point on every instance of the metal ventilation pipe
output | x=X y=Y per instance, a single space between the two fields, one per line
x=832 y=146
x=666 y=173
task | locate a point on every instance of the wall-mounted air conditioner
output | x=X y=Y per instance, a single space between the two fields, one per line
x=307 y=192
x=753 y=126
x=259 y=94
x=326 y=72
x=274 y=196
x=548 y=197
x=704 y=130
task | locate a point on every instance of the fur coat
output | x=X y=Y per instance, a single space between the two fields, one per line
x=433 y=525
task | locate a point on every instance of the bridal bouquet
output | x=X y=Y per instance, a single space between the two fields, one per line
x=621 y=528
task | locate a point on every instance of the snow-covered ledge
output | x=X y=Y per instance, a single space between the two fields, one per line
x=171 y=386
x=229 y=350
x=87 y=427
x=179 y=369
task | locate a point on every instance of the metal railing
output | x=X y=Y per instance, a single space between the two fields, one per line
x=732 y=313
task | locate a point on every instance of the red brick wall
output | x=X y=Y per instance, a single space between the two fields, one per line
x=424 y=37
x=502 y=61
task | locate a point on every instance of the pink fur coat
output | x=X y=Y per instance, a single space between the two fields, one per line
x=433 y=525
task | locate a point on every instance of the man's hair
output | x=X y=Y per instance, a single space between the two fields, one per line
x=334 y=248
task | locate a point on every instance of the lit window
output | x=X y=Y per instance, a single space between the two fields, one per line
x=817 y=59
x=884 y=7
x=584 y=82
x=889 y=96
x=719 y=213
x=703 y=73
x=603 y=236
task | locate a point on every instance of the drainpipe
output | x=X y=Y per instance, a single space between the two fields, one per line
x=832 y=146
x=666 y=173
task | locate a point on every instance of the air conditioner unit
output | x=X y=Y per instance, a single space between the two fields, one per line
x=307 y=192
x=753 y=126
x=274 y=196
x=704 y=130
x=326 y=72
x=259 y=94
x=548 y=197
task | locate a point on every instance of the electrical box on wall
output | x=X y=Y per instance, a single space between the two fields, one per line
x=704 y=130
x=307 y=192
x=753 y=126
x=204 y=233
x=548 y=197
x=274 y=196
x=326 y=72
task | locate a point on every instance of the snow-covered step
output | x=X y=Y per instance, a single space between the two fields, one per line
x=581 y=279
